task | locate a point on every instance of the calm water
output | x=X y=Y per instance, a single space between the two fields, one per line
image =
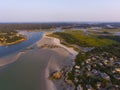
x=23 y=74
x=117 y=33
x=32 y=37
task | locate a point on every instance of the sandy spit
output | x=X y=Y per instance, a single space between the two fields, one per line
x=55 y=41
x=52 y=59
x=56 y=62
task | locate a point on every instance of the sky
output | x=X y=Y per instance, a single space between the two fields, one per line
x=59 y=10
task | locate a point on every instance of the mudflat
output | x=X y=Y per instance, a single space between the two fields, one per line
x=31 y=69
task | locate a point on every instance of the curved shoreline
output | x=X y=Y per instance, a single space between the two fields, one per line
x=9 y=59
x=52 y=65
x=13 y=43
x=55 y=59
x=56 y=41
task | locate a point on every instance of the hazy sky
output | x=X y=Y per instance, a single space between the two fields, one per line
x=59 y=10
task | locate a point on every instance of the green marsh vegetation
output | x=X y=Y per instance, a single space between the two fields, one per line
x=82 y=39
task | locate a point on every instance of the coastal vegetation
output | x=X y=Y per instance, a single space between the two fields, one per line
x=115 y=38
x=10 y=38
x=98 y=68
x=81 y=39
x=56 y=75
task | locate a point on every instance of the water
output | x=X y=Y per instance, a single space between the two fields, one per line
x=32 y=37
x=117 y=33
x=23 y=74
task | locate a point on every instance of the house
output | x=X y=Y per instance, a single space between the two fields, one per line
x=117 y=70
x=77 y=67
x=105 y=76
x=89 y=87
x=117 y=77
x=79 y=87
x=88 y=67
x=98 y=85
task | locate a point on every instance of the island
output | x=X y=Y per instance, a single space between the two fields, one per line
x=10 y=38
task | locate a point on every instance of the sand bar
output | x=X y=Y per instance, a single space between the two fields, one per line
x=34 y=66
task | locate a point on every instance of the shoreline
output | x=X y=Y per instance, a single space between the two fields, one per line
x=71 y=54
x=13 y=43
x=56 y=41
x=10 y=59
x=54 y=58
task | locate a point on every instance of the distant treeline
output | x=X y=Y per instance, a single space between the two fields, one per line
x=30 y=26
x=33 y=26
x=115 y=38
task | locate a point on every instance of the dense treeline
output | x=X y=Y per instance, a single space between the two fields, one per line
x=113 y=49
x=8 y=31
x=31 y=26
x=115 y=38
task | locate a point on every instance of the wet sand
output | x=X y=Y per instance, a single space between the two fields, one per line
x=9 y=59
x=32 y=68
x=61 y=57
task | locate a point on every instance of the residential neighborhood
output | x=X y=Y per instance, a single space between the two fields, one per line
x=98 y=72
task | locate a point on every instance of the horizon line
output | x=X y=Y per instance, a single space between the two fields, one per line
x=64 y=22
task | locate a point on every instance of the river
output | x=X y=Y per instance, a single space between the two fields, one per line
x=32 y=37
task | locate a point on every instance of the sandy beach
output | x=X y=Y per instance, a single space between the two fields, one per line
x=47 y=57
x=62 y=56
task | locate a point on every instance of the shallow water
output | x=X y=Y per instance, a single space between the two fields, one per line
x=32 y=37
x=25 y=74
x=117 y=33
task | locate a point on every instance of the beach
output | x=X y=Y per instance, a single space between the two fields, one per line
x=61 y=57
x=34 y=66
